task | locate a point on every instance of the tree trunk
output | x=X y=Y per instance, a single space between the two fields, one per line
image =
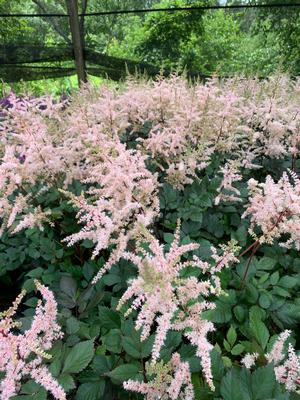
x=72 y=8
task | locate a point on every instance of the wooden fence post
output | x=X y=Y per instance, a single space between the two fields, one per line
x=72 y=8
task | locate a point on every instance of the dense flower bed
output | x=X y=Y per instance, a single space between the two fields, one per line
x=164 y=217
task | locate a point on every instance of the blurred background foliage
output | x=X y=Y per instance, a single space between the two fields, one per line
x=223 y=42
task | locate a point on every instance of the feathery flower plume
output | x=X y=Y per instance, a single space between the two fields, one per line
x=21 y=355
x=170 y=381
x=275 y=209
x=163 y=297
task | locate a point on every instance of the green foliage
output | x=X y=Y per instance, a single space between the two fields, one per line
x=240 y=384
x=101 y=349
x=79 y=357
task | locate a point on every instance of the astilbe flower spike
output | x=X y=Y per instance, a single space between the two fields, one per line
x=122 y=194
x=107 y=139
x=163 y=297
x=170 y=381
x=289 y=372
x=21 y=355
x=286 y=368
x=249 y=360
x=275 y=209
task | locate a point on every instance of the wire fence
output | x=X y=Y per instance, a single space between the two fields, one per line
x=21 y=60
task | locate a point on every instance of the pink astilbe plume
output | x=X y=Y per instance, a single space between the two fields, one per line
x=21 y=355
x=277 y=353
x=275 y=209
x=227 y=192
x=122 y=195
x=249 y=360
x=28 y=155
x=286 y=367
x=270 y=117
x=170 y=381
x=289 y=372
x=164 y=298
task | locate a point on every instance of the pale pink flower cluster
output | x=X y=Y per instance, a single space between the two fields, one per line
x=21 y=355
x=170 y=381
x=275 y=209
x=29 y=155
x=122 y=194
x=52 y=148
x=249 y=360
x=179 y=125
x=277 y=353
x=271 y=115
x=187 y=125
x=172 y=125
x=227 y=192
x=288 y=372
x=165 y=299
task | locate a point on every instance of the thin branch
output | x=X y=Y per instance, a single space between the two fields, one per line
x=52 y=22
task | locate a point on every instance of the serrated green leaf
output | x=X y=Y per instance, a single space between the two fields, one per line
x=101 y=364
x=246 y=384
x=227 y=362
x=72 y=325
x=31 y=387
x=263 y=278
x=67 y=382
x=263 y=383
x=265 y=300
x=231 y=336
x=274 y=278
x=124 y=372
x=237 y=349
x=279 y=291
x=217 y=365
x=251 y=293
x=259 y=331
x=137 y=349
x=266 y=263
x=113 y=341
x=289 y=314
x=231 y=386
x=288 y=282
x=79 y=357
x=68 y=286
x=90 y=391
x=109 y=319
x=239 y=313
x=111 y=279
x=226 y=345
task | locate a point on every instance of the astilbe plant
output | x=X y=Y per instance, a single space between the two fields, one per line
x=177 y=127
x=286 y=367
x=122 y=194
x=171 y=380
x=274 y=208
x=21 y=355
x=163 y=297
x=28 y=155
x=271 y=114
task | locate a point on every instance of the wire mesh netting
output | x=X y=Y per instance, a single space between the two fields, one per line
x=200 y=41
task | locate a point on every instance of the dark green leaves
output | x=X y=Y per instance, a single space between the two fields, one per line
x=79 y=357
x=231 y=386
x=108 y=318
x=259 y=330
x=124 y=372
x=240 y=384
x=90 y=391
